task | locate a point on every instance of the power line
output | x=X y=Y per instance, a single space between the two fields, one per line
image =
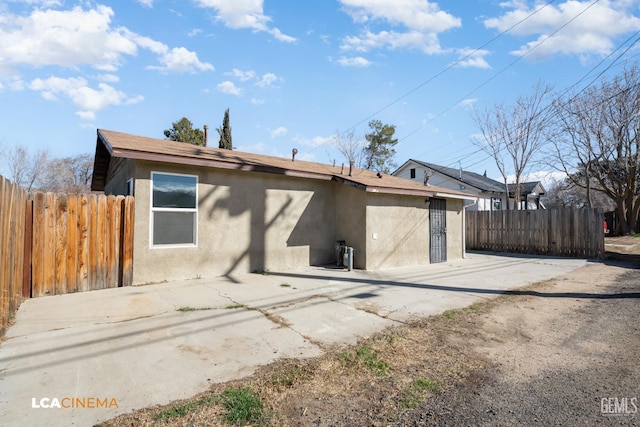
x=450 y=66
x=490 y=79
x=444 y=70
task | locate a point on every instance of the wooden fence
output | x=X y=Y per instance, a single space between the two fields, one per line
x=557 y=232
x=79 y=242
x=53 y=244
x=13 y=207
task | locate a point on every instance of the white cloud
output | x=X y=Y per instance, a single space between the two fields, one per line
x=146 y=3
x=111 y=78
x=592 y=32
x=64 y=38
x=473 y=58
x=427 y=42
x=240 y=14
x=77 y=37
x=243 y=76
x=314 y=142
x=181 y=60
x=420 y=22
x=229 y=88
x=41 y=3
x=267 y=80
x=279 y=131
x=421 y=15
x=194 y=32
x=257 y=101
x=469 y=102
x=89 y=100
x=354 y=61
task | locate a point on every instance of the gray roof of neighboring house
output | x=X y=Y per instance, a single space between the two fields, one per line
x=473 y=179
x=479 y=181
x=527 y=187
x=121 y=145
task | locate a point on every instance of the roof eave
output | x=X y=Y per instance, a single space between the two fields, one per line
x=219 y=164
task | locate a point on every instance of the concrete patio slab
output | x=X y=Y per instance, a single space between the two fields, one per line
x=153 y=344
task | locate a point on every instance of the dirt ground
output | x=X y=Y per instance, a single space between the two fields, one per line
x=560 y=352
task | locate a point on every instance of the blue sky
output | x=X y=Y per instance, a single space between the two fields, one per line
x=293 y=73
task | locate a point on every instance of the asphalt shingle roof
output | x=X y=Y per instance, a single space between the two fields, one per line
x=473 y=179
x=121 y=145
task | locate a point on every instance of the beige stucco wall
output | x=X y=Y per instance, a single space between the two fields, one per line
x=350 y=221
x=455 y=241
x=397 y=231
x=250 y=221
x=246 y=222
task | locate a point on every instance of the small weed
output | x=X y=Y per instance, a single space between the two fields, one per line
x=243 y=405
x=263 y=271
x=432 y=386
x=234 y=306
x=184 y=409
x=415 y=393
x=285 y=285
x=449 y=314
x=289 y=377
x=473 y=308
x=187 y=308
x=365 y=356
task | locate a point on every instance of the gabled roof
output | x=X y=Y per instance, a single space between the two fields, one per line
x=112 y=144
x=472 y=179
x=527 y=188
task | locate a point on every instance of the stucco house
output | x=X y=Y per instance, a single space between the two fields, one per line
x=491 y=194
x=203 y=211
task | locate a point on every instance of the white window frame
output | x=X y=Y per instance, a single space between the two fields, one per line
x=153 y=210
x=496 y=199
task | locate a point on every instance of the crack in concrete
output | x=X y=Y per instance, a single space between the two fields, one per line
x=278 y=320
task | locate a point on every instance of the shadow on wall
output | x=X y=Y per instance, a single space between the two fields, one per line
x=292 y=219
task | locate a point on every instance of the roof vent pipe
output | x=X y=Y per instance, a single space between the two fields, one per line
x=342 y=170
x=350 y=167
x=293 y=154
x=206 y=134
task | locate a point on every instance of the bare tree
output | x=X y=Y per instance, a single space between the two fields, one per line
x=25 y=167
x=38 y=171
x=68 y=175
x=563 y=193
x=597 y=143
x=350 y=146
x=514 y=134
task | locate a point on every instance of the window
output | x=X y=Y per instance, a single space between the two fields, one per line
x=412 y=172
x=496 y=204
x=174 y=209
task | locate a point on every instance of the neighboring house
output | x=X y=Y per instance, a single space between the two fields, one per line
x=203 y=211
x=491 y=194
x=530 y=193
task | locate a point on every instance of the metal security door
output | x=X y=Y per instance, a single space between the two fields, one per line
x=438 y=230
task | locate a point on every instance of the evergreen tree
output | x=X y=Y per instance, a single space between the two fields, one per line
x=225 y=133
x=183 y=131
x=378 y=155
